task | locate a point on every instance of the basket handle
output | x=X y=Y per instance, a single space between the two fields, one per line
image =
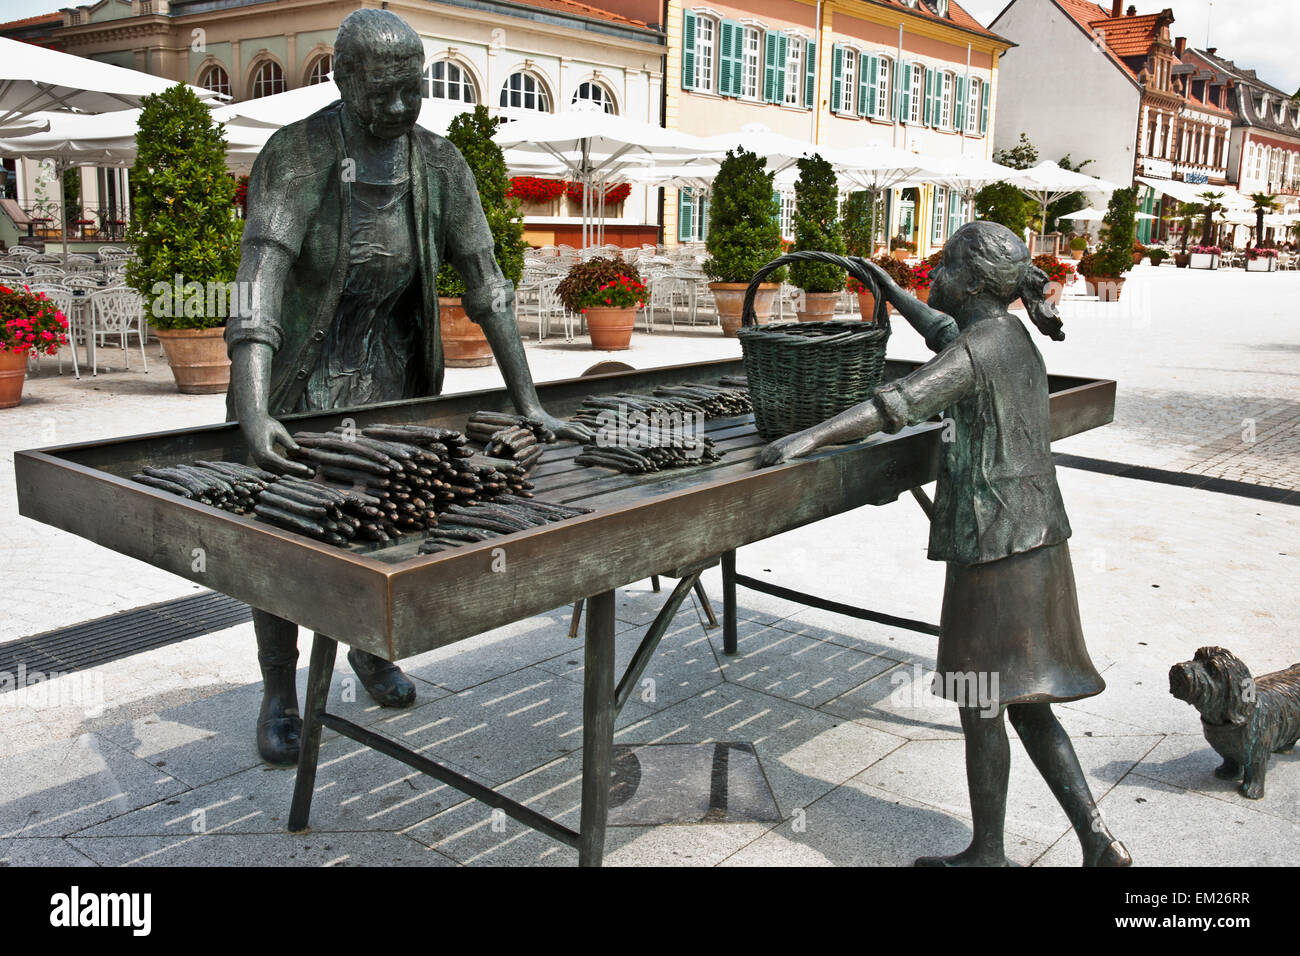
x=853 y=265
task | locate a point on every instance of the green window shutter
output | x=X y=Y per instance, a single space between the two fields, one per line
x=927 y=106
x=769 y=67
x=685 y=215
x=905 y=101
x=704 y=217
x=864 y=84
x=782 y=53
x=954 y=210
x=737 y=59
x=688 y=49
x=959 y=108
x=810 y=76
x=873 y=76
x=984 y=112
x=726 y=33
x=837 y=80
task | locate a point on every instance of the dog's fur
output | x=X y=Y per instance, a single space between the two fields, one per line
x=1244 y=718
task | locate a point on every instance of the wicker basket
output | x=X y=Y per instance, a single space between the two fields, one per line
x=802 y=373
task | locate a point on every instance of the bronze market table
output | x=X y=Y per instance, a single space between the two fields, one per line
x=391 y=601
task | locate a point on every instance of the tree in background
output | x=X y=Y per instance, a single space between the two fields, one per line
x=817 y=226
x=1264 y=203
x=1115 y=256
x=1210 y=207
x=1002 y=202
x=860 y=224
x=183 y=222
x=1069 y=202
x=471 y=133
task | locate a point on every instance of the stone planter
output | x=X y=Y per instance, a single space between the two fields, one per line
x=198 y=359
x=818 y=306
x=610 y=328
x=1077 y=254
x=1262 y=264
x=900 y=254
x=730 y=298
x=1203 y=260
x=463 y=343
x=1106 y=288
x=538 y=209
x=13 y=372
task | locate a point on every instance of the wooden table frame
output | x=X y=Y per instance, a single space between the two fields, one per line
x=381 y=600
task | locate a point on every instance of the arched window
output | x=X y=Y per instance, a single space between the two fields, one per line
x=525 y=91
x=444 y=80
x=268 y=80
x=216 y=79
x=320 y=69
x=595 y=93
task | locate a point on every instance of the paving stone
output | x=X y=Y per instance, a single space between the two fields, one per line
x=1189 y=762
x=41 y=851
x=267 y=849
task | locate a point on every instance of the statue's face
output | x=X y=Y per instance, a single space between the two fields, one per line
x=950 y=280
x=385 y=94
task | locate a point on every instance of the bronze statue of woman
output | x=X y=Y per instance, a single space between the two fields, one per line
x=350 y=213
x=1010 y=612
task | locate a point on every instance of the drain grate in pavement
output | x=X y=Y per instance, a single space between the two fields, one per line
x=120 y=635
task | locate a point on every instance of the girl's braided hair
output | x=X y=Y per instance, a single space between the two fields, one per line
x=1002 y=260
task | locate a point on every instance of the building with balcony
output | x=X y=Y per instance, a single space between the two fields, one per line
x=920 y=75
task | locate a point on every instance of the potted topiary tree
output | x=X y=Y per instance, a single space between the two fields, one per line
x=608 y=292
x=1078 y=246
x=1114 y=257
x=29 y=322
x=744 y=236
x=463 y=343
x=1186 y=213
x=817 y=229
x=186 y=237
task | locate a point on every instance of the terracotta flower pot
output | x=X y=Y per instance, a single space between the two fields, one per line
x=867 y=306
x=1076 y=253
x=922 y=294
x=610 y=328
x=730 y=297
x=1106 y=288
x=13 y=371
x=1182 y=259
x=463 y=343
x=818 y=306
x=901 y=254
x=198 y=359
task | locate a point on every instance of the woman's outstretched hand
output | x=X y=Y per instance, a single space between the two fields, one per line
x=791 y=446
x=888 y=287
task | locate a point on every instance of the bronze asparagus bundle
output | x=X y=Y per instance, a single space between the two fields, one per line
x=640 y=458
x=513 y=437
x=481 y=521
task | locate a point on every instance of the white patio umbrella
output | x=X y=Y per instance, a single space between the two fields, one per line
x=35 y=79
x=1086 y=214
x=781 y=152
x=878 y=168
x=99 y=139
x=595 y=148
x=1047 y=182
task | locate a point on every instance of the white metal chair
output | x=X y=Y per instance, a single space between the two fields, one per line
x=550 y=306
x=12 y=272
x=119 y=312
x=112 y=252
x=21 y=252
x=64 y=301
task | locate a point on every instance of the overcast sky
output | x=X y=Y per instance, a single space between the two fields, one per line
x=1258 y=34
x=1255 y=34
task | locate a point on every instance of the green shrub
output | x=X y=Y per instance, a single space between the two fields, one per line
x=471 y=133
x=1157 y=256
x=182 y=219
x=744 y=228
x=860 y=224
x=1115 y=255
x=1078 y=243
x=817 y=227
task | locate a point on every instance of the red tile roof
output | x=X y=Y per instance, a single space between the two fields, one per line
x=50 y=18
x=1128 y=36
x=956 y=15
x=581 y=10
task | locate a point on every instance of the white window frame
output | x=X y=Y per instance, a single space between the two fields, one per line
x=751 y=63
x=794 y=70
x=974 y=103
x=538 y=93
x=605 y=99
x=787 y=214
x=945 y=107
x=268 y=78
x=706 y=50
x=220 y=84
x=464 y=83
x=321 y=68
x=939 y=204
x=918 y=94
x=848 y=81
x=884 y=87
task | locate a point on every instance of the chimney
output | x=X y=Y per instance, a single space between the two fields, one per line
x=1211 y=50
x=1180 y=45
x=1117 y=8
x=1132 y=11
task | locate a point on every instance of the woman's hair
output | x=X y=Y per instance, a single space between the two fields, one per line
x=373 y=31
x=1002 y=262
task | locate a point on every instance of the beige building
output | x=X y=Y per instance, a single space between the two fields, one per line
x=920 y=75
x=531 y=54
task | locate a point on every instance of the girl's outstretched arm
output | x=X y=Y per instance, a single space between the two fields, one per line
x=937 y=328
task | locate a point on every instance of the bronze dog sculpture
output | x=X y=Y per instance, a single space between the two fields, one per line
x=1244 y=718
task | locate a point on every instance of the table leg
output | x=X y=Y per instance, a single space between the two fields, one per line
x=323 y=650
x=598 y=713
x=729 y=642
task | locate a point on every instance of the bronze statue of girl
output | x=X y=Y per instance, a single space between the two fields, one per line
x=1010 y=610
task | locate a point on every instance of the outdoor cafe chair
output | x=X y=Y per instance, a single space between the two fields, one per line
x=45 y=277
x=20 y=252
x=112 y=252
x=117 y=312
x=12 y=271
x=65 y=302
